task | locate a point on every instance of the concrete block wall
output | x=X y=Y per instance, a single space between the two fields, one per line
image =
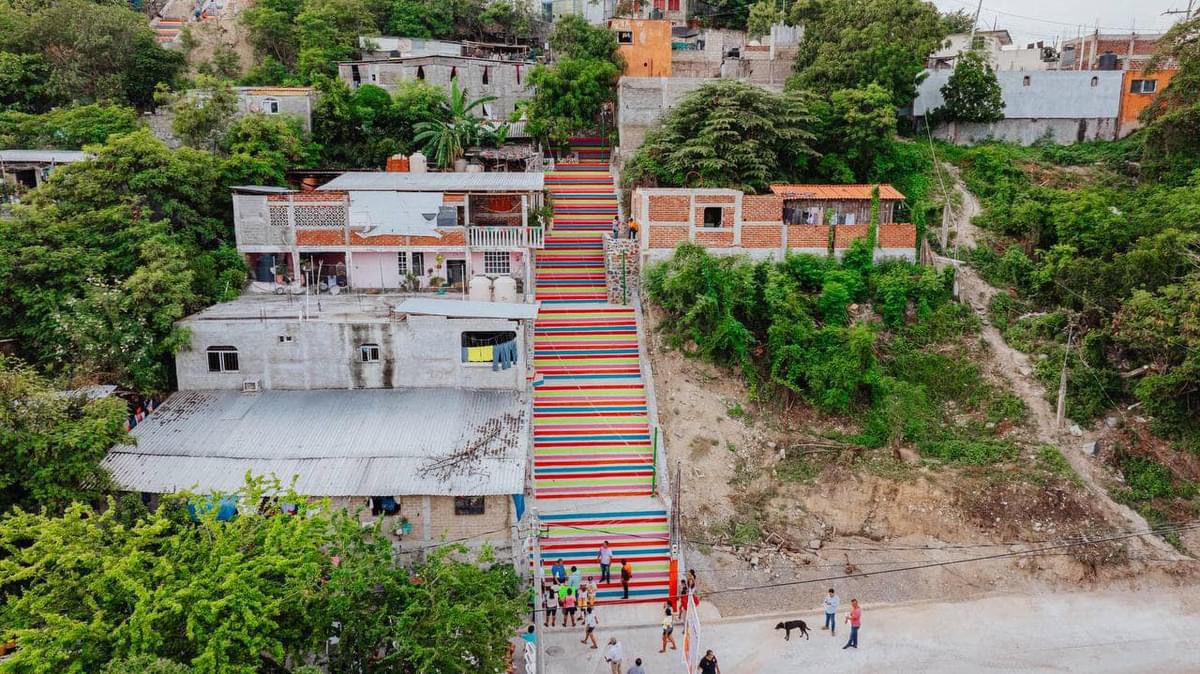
x=433 y=519
x=291 y=354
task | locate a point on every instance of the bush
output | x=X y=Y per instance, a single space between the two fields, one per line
x=974 y=452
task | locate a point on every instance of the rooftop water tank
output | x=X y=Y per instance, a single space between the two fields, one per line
x=506 y=289
x=480 y=289
x=1108 y=61
x=417 y=163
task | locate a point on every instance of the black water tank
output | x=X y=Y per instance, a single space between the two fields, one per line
x=1108 y=61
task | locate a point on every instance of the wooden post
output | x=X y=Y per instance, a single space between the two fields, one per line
x=1062 y=384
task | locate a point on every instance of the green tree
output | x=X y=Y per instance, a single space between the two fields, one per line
x=272 y=28
x=849 y=44
x=66 y=128
x=85 y=591
x=201 y=117
x=327 y=32
x=763 y=14
x=445 y=139
x=972 y=93
x=568 y=96
x=51 y=443
x=1172 y=136
x=574 y=38
x=728 y=134
x=104 y=258
x=856 y=129
x=22 y=82
x=276 y=142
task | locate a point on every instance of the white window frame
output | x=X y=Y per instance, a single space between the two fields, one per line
x=402 y=265
x=369 y=353
x=497 y=262
x=270 y=105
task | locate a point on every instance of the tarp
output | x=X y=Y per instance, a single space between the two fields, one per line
x=404 y=213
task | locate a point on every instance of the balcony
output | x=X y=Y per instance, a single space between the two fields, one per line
x=505 y=238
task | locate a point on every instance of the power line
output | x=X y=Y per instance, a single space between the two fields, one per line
x=1125 y=29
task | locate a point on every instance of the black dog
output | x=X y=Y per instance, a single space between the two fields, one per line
x=790 y=625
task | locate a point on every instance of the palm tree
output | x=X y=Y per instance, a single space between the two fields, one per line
x=447 y=138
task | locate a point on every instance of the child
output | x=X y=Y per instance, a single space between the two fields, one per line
x=589 y=622
x=568 y=605
x=550 y=602
x=667 y=629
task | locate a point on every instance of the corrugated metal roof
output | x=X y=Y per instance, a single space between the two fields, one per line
x=48 y=156
x=437 y=182
x=835 y=191
x=375 y=442
x=429 y=306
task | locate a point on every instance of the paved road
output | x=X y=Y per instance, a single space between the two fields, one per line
x=1156 y=631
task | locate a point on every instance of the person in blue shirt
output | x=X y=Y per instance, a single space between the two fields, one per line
x=576 y=578
x=529 y=635
x=559 y=572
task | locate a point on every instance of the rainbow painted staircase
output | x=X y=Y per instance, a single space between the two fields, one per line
x=593 y=457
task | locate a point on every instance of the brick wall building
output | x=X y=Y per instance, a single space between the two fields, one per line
x=732 y=222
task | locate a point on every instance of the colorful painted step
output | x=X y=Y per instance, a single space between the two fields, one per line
x=642 y=537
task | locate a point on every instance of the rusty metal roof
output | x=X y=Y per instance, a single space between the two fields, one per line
x=834 y=192
x=374 y=442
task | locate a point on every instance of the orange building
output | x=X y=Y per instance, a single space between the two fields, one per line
x=645 y=44
x=1138 y=89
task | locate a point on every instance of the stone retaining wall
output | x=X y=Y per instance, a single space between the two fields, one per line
x=622 y=269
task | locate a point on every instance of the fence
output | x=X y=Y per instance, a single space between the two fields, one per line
x=505 y=237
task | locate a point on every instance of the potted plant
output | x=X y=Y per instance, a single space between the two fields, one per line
x=403 y=527
x=438 y=283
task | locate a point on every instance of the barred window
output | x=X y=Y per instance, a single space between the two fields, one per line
x=279 y=215
x=468 y=505
x=496 y=262
x=222 y=359
x=402 y=264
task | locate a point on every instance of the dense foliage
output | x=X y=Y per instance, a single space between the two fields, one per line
x=1172 y=136
x=101 y=261
x=571 y=93
x=67 y=128
x=849 y=44
x=728 y=134
x=78 y=51
x=298 y=40
x=972 y=93
x=51 y=443
x=123 y=588
x=799 y=328
x=362 y=128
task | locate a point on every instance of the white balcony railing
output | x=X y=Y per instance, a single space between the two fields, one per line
x=505 y=238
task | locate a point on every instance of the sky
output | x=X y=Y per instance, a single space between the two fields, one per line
x=1033 y=20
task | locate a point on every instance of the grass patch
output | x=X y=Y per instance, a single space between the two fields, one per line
x=1051 y=463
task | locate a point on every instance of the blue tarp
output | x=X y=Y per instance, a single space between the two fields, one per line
x=226 y=509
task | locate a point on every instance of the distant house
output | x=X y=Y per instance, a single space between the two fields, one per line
x=506 y=80
x=1109 y=51
x=1138 y=91
x=294 y=102
x=997 y=47
x=645 y=45
x=790 y=219
x=1061 y=106
x=23 y=170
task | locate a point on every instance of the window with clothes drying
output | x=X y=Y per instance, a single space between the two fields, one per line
x=497 y=348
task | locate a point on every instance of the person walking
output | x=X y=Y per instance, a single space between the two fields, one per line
x=683 y=600
x=633 y=229
x=626 y=576
x=575 y=579
x=550 y=603
x=616 y=233
x=559 y=571
x=855 y=620
x=667 y=628
x=605 y=559
x=590 y=621
x=615 y=655
x=708 y=664
x=568 y=606
x=831 y=606
x=636 y=668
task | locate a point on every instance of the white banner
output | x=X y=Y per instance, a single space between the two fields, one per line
x=693 y=645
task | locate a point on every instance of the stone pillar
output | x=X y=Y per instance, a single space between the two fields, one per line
x=622 y=269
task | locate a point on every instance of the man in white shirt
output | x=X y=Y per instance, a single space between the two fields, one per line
x=605 y=559
x=831 y=606
x=614 y=655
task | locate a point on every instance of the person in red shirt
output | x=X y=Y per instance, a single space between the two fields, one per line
x=855 y=620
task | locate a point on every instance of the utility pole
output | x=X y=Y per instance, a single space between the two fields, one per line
x=974 y=24
x=1062 y=382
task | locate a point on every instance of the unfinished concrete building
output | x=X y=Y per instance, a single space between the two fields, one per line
x=507 y=80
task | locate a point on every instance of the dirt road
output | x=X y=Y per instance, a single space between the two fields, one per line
x=1099 y=632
